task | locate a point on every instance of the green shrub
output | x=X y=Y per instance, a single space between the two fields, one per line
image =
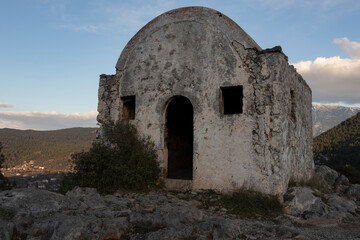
x=245 y=203
x=252 y=204
x=125 y=162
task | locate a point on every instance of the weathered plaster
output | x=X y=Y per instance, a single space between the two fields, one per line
x=192 y=52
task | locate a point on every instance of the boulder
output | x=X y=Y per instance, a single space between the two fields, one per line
x=341 y=204
x=341 y=184
x=353 y=191
x=6 y=230
x=168 y=214
x=84 y=198
x=326 y=176
x=310 y=204
x=81 y=214
x=83 y=227
x=302 y=200
x=27 y=200
x=218 y=228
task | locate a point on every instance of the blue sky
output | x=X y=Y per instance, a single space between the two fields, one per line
x=53 y=51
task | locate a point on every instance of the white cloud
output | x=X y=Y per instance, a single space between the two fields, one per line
x=321 y=5
x=84 y=28
x=130 y=18
x=351 y=48
x=46 y=120
x=118 y=15
x=5 y=105
x=323 y=9
x=332 y=79
x=276 y=4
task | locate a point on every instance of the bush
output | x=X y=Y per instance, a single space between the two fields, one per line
x=245 y=203
x=252 y=204
x=125 y=162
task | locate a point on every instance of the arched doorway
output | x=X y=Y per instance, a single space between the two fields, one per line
x=179 y=138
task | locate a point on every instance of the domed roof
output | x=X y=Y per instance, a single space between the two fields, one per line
x=188 y=14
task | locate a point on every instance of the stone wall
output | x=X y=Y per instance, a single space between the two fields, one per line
x=281 y=107
x=193 y=52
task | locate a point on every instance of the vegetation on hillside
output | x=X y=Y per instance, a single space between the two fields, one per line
x=4 y=184
x=50 y=149
x=339 y=148
x=2 y=159
x=126 y=162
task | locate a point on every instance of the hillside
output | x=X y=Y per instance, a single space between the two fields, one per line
x=340 y=145
x=52 y=149
x=49 y=149
x=326 y=116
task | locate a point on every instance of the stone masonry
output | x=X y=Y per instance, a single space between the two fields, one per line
x=223 y=113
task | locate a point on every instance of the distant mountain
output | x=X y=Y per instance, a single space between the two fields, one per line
x=326 y=116
x=340 y=145
x=49 y=149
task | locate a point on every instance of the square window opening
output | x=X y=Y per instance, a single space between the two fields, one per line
x=232 y=100
x=128 y=109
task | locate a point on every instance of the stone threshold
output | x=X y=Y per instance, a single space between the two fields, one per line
x=178 y=184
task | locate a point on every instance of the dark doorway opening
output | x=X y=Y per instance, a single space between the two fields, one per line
x=179 y=138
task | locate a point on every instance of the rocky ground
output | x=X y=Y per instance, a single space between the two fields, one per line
x=332 y=213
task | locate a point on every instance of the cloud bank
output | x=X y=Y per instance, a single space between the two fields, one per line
x=334 y=79
x=5 y=105
x=46 y=120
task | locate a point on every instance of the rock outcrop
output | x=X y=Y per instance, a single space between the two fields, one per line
x=83 y=214
x=332 y=197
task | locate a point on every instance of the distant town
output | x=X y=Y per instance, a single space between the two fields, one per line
x=29 y=175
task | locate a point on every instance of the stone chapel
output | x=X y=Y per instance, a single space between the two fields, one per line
x=223 y=113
